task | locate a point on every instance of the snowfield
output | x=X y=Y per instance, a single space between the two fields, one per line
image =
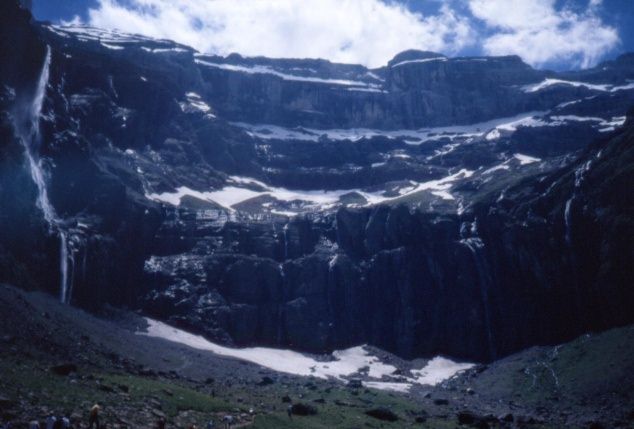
x=343 y=363
x=245 y=188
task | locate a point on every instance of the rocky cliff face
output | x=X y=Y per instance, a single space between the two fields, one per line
x=466 y=206
x=533 y=263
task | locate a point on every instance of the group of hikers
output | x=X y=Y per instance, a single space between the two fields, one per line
x=227 y=422
x=64 y=422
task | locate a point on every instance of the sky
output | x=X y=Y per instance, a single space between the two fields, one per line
x=553 y=34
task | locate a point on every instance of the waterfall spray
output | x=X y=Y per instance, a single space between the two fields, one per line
x=28 y=130
x=285 y=233
x=63 y=265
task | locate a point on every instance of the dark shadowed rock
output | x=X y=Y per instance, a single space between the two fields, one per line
x=301 y=409
x=474 y=420
x=64 y=369
x=266 y=381
x=355 y=383
x=382 y=414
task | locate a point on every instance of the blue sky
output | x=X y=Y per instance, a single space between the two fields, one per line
x=557 y=34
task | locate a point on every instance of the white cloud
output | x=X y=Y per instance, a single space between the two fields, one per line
x=368 y=32
x=541 y=34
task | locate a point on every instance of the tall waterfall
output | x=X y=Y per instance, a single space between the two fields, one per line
x=580 y=174
x=30 y=137
x=28 y=130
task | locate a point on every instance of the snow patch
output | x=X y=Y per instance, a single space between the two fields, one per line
x=525 y=159
x=493 y=135
x=195 y=103
x=163 y=50
x=388 y=385
x=438 y=370
x=496 y=168
x=376 y=90
x=112 y=47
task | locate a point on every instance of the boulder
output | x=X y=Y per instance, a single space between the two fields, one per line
x=64 y=369
x=301 y=409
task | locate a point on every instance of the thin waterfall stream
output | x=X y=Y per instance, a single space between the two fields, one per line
x=28 y=130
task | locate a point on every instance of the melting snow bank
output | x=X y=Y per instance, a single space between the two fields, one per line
x=344 y=363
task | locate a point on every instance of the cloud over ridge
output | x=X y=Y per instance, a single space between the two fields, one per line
x=539 y=33
x=368 y=32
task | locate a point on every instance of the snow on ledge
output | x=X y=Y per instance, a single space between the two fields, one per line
x=547 y=83
x=262 y=69
x=236 y=193
x=525 y=159
x=420 y=60
x=344 y=363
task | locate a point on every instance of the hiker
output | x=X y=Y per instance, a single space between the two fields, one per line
x=65 y=422
x=50 y=422
x=34 y=425
x=161 y=423
x=94 y=416
x=210 y=424
x=289 y=411
x=228 y=421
